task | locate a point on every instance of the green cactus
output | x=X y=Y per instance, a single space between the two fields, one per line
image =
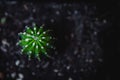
x=35 y=42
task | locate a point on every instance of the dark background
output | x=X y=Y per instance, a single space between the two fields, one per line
x=80 y=54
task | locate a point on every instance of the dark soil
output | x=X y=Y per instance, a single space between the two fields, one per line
x=85 y=41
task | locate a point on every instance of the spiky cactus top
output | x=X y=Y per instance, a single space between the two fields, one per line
x=35 y=41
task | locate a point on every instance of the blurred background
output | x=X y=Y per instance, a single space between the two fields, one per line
x=87 y=40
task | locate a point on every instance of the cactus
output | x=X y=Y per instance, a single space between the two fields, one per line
x=35 y=42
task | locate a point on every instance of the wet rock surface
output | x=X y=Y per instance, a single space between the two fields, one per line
x=78 y=55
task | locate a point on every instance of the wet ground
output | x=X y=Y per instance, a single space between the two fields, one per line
x=84 y=41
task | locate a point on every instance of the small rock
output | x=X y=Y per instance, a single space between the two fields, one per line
x=17 y=62
x=81 y=69
x=20 y=75
x=45 y=65
x=18 y=79
x=100 y=60
x=72 y=35
x=33 y=73
x=22 y=65
x=104 y=21
x=76 y=51
x=57 y=12
x=90 y=60
x=52 y=20
x=55 y=70
x=95 y=33
x=4 y=42
x=70 y=78
x=60 y=74
x=75 y=12
x=37 y=66
x=3 y=48
x=68 y=67
x=13 y=75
